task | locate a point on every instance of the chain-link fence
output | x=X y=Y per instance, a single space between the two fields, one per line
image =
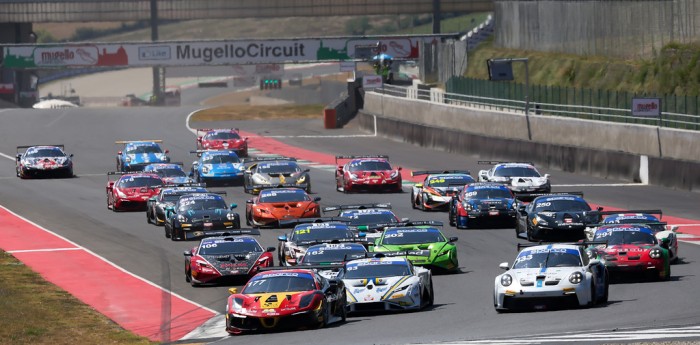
x=622 y=28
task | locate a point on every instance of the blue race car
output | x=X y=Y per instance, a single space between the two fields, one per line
x=217 y=166
x=482 y=201
x=136 y=155
x=171 y=173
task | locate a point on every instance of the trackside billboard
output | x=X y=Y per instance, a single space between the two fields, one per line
x=191 y=53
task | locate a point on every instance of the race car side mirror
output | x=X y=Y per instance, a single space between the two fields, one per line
x=306 y=170
x=546 y=176
x=245 y=138
x=249 y=201
x=270 y=249
x=600 y=208
x=119 y=153
x=399 y=168
x=504 y=265
x=340 y=168
x=195 y=162
x=418 y=185
x=170 y=208
x=167 y=151
x=233 y=291
x=70 y=155
x=665 y=242
x=317 y=199
x=282 y=238
x=187 y=253
x=454 y=239
x=232 y=206
x=361 y=235
x=199 y=139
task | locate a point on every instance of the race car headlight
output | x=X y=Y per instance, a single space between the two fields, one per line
x=261 y=179
x=575 y=278
x=590 y=253
x=394 y=174
x=203 y=264
x=181 y=218
x=237 y=304
x=231 y=216
x=128 y=159
x=539 y=221
x=305 y=301
x=467 y=206
x=301 y=179
x=655 y=253
x=444 y=253
x=506 y=280
x=353 y=176
x=121 y=194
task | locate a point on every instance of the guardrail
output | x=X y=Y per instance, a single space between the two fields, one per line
x=668 y=119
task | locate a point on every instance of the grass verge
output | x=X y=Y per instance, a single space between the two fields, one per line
x=34 y=311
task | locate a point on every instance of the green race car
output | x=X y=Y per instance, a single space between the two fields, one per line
x=423 y=242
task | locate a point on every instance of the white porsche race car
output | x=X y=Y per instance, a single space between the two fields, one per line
x=519 y=177
x=551 y=276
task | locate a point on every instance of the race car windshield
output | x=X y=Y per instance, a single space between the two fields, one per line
x=412 y=237
x=229 y=247
x=202 y=204
x=544 y=259
x=287 y=168
x=322 y=234
x=490 y=193
x=220 y=159
x=171 y=172
x=171 y=197
x=372 y=271
x=48 y=152
x=280 y=284
x=143 y=149
x=138 y=182
x=335 y=255
x=369 y=166
x=370 y=218
x=625 y=237
x=515 y=171
x=561 y=205
x=222 y=136
x=655 y=227
x=273 y=196
x=446 y=182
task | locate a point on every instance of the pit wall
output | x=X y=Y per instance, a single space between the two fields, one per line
x=603 y=149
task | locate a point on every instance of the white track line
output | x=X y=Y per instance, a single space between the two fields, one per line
x=42 y=250
x=8 y=156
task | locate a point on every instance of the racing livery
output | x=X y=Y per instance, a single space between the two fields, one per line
x=217 y=166
x=131 y=191
x=273 y=205
x=367 y=173
x=274 y=172
x=519 y=177
x=198 y=215
x=427 y=245
x=168 y=196
x=285 y=299
x=555 y=215
x=368 y=218
x=294 y=245
x=662 y=230
x=137 y=154
x=218 y=258
x=331 y=254
x=551 y=275
x=482 y=201
x=437 y=189
x=222 y=139
x=171 y=173
x=40 y=161
x=632 y=248
x=387 y=284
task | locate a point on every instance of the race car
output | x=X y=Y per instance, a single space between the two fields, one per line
x=551 y=276
x=555 y=215
x=168 y=196
x=428 y=246
x=222 y=139
x=198 y=215
x=131 y=191
x=367 y=173
x=137 y=154
x=274 y=172
x=368 y=218
x=437 y=189
x=387 y=284
x=275 y=204
x=632 y=248
x=285 y=298
x=170 y=172
x=482 y=202
x=519 y=177
x=217 y=166
x=293 y=246
x=221 y=258
x=662 y=231
x=331 y=254
x=40 y=161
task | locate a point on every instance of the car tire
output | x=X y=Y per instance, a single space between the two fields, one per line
x=167 y=234
x=344 y=309
x=431 y=298
x=451 y=218
x=604 y=298
x=148 y=218
x=188 y=275
x=457 y=221
x=308 y=188
x=413 y=200
x=594 y=296
x=422 y=202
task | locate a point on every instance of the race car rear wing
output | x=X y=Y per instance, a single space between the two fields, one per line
x=124 y=142
x=579 y=243
x=384 y=205
x=429 y=172
x=267 y=159
x=297 y=221
x=501 y=162
x=173 y=185
x=359 y=156
x=304 y=267
x=199 y=152
x=603 y=213
x=234 y=232
x=278 y=185
x=534 y=195
x=205 y=130
x=359 y=240
x=638 y=223
x=408 y=223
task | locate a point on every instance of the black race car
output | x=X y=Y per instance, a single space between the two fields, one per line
x=555 y=215
x=168 y=196
x=198 y=215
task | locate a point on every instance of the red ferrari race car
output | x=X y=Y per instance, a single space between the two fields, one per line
x=367 y=173
x=286 y=298
x=275 y=204
x=222 y=139
x=131 y=191
x=220 y=258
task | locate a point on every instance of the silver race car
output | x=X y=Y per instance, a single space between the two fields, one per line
x=274 y=171
x=519 y=177
x=550 y=276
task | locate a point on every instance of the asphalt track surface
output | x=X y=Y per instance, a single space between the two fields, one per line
x=76 y=209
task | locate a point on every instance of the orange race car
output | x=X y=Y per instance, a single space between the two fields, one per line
x=275 y=204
